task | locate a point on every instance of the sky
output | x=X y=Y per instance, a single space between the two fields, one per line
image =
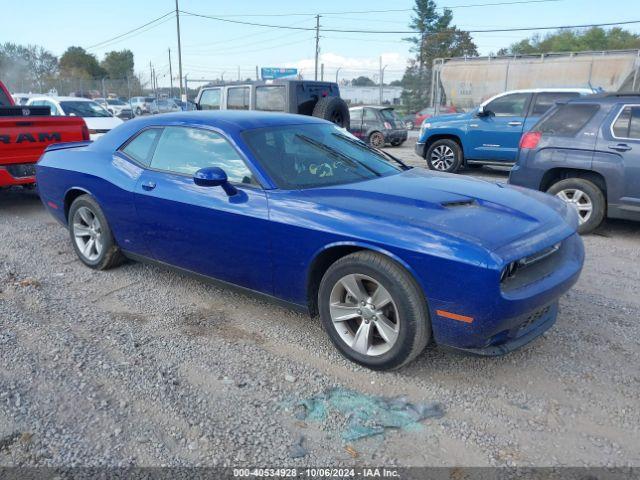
x=211 y=49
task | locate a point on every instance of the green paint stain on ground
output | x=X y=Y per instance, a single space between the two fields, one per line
x=367 y=415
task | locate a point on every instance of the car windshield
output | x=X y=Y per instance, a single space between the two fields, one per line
x=308 y=156
x=149 y=99
x=115 y=102
x=84 y=109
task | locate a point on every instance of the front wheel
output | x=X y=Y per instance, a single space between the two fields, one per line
x=91 y=235
x=587 y=199
x=373 y=311
x=397 y=143
x=138 y=111
x=444 y=155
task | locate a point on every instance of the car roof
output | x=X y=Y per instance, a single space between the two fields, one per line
x=620 y=97
x=580 y=90
x=377 y=107
x=61 y=99
x=237 y=120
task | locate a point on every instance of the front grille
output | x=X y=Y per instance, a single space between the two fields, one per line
x=534 y=317
x=21 y=170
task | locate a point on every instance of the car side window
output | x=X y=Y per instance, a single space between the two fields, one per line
x=238 y=98
x=141 y=147
x=511 y=105
x=544 y=101
x=627 y=124
x=356 y=115
x=270 y=98
x=370 y=115
x=210 y=99
x=186 y=150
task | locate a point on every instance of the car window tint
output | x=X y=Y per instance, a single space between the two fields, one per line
x=4 y=100
x=634 y=126
x=270 y=99
x=210 y=99
x=356 y=114
x=567 y=120
x=544 y=101
x=627 y=124
x=141 y=147
x=511 y=105
x=370 y=115
x=187 y=150
x=238 y=98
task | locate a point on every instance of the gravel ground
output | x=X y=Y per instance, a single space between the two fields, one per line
x=143 y=366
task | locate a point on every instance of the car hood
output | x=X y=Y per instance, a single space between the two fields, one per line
x=449 y=116
x=490 y=215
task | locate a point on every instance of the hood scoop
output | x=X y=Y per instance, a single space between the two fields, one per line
x=459 y=203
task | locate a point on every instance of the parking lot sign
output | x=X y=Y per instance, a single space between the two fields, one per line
x=273 y=73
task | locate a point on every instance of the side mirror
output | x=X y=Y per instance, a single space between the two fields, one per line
x=214 y=177
x=483 y=112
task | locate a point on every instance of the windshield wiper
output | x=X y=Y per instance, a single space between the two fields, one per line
x=364 y=146
x=335 y=153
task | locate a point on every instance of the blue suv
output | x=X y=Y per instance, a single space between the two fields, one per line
x=586 y=152
x=489 y=134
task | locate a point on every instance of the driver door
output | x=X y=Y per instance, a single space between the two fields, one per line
x=495 y=135
x=202 y=229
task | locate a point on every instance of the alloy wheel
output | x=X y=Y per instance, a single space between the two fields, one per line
x=364 y=314
x=87 y=232
x=578 y=200
x=442 y=157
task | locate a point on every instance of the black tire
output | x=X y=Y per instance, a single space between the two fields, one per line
x=413 y=323
x=138 y=111
x=110 y=255
x=333 y=109
x=591 y=193
x=439 y=162
x=397 y=143
x=376 y=139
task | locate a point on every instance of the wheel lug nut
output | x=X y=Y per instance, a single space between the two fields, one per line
x=363 y=303
x=359 y=312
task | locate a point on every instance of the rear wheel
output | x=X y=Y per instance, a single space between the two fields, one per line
x=333 y=109
x=376 y=139
x=91 y=236
x=587 y=199
x=373 y=311
x=444 y=155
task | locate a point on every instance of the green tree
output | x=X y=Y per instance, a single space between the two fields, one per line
x=594 y=38
x=362 y=81
x=118 y=65
x=76 y=62
x=26 y=68
x=436 y=37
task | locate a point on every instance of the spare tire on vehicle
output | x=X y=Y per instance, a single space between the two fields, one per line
x=333 y=109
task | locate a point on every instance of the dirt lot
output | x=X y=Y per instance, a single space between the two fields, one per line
x=143 y=366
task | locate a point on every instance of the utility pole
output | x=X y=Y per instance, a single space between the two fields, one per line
x=151 y=75
x=322 y=72
x=183 y=97
x=337 y=72
x=170 y=77
x=238 y=72
x=317 y=44
x=257 y=76
x=382 y=81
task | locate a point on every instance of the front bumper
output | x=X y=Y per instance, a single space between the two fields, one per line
x=420 y=149
x=495 y=320
x=17 y=174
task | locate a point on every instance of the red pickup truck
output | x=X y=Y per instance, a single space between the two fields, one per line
x=24 y=134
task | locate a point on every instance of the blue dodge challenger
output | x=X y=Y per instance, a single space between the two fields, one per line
x=296 y=209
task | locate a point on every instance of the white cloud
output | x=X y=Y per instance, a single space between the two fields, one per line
x=354 y=66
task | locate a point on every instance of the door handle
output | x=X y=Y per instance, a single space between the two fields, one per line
x=148 y=186
x=620 y=147
x=514 y=124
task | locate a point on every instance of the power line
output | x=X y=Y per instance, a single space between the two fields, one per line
x=404 y=32
x=130 y=31
x=448 y=7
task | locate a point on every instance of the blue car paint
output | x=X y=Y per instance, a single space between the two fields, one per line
x=266 y=239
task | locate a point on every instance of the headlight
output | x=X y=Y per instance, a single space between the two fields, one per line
x=425 y=126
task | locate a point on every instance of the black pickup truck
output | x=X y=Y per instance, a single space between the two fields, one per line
x=304 y=97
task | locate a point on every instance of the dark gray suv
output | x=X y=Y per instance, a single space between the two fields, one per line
x=587 y=152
